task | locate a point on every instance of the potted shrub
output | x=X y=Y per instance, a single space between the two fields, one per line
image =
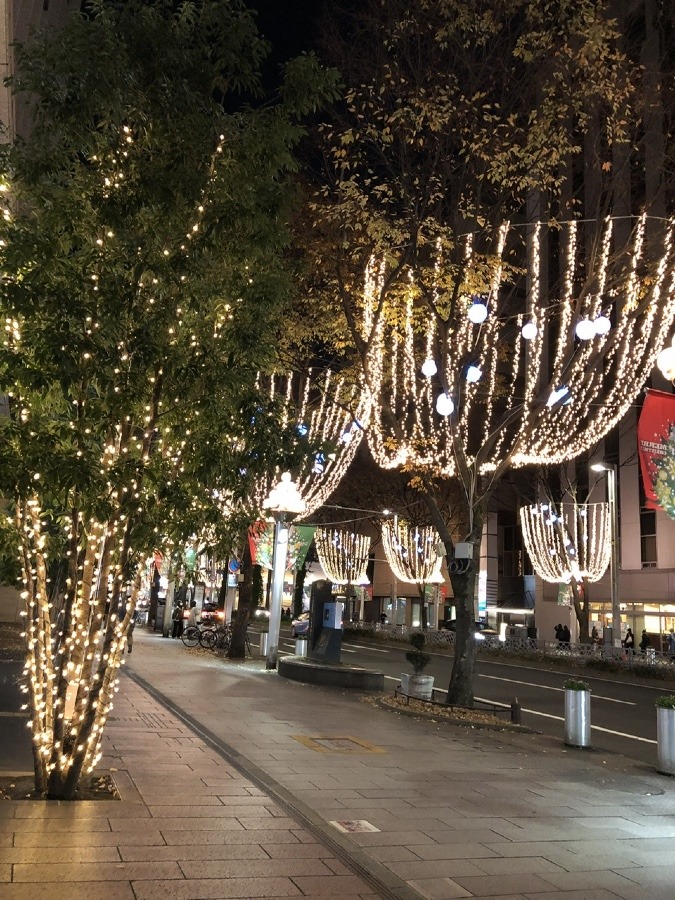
x=417 y=685
x=577 y=713
x=665 y=734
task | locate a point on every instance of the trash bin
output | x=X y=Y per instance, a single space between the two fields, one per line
x=301 y=646
x=264 y=641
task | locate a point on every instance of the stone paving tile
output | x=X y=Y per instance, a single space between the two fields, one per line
x=494 y=885
x=452 y=850
x=215 y=811
x=438 y=888
x=177 y=852
x=96 y=871
x=435 y=868
x=258 y=868
x=591 y=894
x=537 y=865
x=216 y=889
x=91 y=890
x=335 y=886
x=229 y=838
x=42 y=854
x=69 y=839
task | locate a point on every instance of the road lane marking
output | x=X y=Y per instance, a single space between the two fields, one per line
x=286 y=644
x=534 y=712
x=546 y=687
x=366 y=647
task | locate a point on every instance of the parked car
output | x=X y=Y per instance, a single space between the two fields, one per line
x=300 y=626
x=261 y=613
x=482 y=629
x=211 y=613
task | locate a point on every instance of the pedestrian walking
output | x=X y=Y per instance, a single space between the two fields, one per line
x=629 y=641
x=177 y=620
x=671 y=645
x=645 y=642
x=567 y=636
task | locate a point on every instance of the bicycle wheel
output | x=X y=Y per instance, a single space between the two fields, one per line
x=190 y=636
x=207 y=639
x=223 y=641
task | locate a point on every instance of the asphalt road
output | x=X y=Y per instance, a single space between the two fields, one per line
x=623 y=716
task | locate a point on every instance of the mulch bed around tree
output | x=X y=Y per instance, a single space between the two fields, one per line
x=453 y=715
x=97 y=787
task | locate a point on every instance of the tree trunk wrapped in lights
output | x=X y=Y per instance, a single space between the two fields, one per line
x=141 y=290
x=343 y=555
x=473 y=371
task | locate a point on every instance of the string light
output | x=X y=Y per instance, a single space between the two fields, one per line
x=543 y=396
x=412 y=552
x=343 y=555
x=568 y=542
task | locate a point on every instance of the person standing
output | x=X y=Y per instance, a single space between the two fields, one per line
x=192 y=618
x=559 y=633
x=177 y=620
x=629 y=640
x=644 y=641
x=671 y=645
x=130 y=633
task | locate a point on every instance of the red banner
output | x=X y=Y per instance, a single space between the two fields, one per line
x=657 y=421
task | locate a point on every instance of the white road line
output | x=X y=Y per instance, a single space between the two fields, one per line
x=534 y=712
x=366 y=647
x=293 y=645
x=546 y=687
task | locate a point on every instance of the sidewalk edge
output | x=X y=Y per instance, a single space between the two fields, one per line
x=381 y=879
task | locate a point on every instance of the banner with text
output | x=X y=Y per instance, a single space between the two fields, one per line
x=656 y=449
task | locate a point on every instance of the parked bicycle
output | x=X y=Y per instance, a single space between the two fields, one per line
x=192 y=634
x=218 y=638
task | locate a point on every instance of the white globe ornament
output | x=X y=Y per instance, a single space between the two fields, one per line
x=666 y=362
x=477 y=313
x=602 y=326
x=429 y=368
x=585 y=330
x=444 y=405
x=529 y=331
x=473 y=374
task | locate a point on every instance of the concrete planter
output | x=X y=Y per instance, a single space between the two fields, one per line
x=421 y=687
x=577 y=718
x=665 y=739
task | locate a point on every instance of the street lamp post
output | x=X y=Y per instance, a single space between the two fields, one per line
x=612 y=498
x=284 y=503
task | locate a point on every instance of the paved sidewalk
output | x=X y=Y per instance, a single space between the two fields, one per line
x=453 y=811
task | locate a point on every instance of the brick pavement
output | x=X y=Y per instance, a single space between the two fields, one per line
x=457 y=812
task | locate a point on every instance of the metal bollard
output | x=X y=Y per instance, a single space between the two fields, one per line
x=301 y=646
x=264 y=640
x=515 y=711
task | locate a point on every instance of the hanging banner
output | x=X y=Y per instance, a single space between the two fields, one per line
x=261 y=543
x=656 y=449
x=306 y=535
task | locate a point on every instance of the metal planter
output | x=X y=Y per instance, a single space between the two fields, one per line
x=577 y=718
x=420 y=687
x=665 y=739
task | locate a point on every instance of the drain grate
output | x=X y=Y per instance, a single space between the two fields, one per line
x=323 y=743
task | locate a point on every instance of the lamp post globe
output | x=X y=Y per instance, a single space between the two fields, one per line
x=284 y=503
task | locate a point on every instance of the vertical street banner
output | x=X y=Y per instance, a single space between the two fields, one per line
x=261 y=542
x=656 y=450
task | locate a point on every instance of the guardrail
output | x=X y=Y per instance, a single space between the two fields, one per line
x=592 y=655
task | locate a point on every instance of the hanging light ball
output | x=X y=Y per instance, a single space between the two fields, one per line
x=666 y=362
x=429 y=368
x=444 y=405
x=585 y=330
x=478 y=312
x=602 y=326
x=473 y=374
x=529 y=331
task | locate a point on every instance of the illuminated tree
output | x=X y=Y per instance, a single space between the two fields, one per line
x=142 y=278
x=503 y=320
